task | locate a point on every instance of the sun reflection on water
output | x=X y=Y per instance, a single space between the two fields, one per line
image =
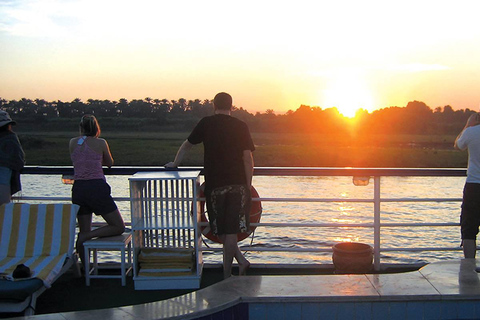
x=338 y=220
x=346 y=239
x=345 y=210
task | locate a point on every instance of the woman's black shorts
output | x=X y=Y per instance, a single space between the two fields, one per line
x=93 y=196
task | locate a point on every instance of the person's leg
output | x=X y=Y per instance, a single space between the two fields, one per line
x=5 y=189
x=5 y=196
x=84 y=226
x=470 y=219
x=243 y=263
x=469 y=248
x=228 y=241
x=114 y=227
x=224 y=208
x=231 y=251
x=243 y=211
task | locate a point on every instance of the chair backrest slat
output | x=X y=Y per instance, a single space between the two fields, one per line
x=28 y=230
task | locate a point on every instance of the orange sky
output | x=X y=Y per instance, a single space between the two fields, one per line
x=267 y=54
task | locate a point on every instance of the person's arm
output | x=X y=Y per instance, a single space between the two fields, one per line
x=14 y=152
x=248 y=164
x=107 y=155
x=455 y=145
x=21 y=152
x=71 y=145
x=184 y=148
x=473 y=120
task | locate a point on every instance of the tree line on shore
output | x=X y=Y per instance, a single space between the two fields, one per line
x=179 y=115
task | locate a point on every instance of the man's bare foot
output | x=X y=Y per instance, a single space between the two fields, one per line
x=242 y=268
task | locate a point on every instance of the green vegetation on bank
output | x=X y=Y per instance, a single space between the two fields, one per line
x=148 y=132
x=161 y=115
x=272 y=150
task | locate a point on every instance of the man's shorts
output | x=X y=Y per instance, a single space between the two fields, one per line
x=229 y=209
x=93 y=196
x=470 y=216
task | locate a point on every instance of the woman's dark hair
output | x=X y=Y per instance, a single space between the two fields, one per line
x=89 y=126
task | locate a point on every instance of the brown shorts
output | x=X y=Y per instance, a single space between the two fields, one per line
x=228 y=209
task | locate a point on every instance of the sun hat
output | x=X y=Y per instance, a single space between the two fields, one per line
x=5 y=119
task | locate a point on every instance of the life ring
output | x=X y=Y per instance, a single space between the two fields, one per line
x=255 y=214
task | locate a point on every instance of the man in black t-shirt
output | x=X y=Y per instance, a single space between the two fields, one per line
x=228 y=164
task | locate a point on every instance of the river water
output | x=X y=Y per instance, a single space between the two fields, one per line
x=325 y=212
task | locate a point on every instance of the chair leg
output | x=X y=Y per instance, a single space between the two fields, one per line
x=30 y=311
x=122 y=266
x=87 y=266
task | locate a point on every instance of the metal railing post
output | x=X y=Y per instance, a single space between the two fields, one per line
x=376 y=223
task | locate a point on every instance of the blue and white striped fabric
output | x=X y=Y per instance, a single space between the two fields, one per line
x=40 y=236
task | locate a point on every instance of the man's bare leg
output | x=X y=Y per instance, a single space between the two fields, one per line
x=243 y=263
x=230 y=251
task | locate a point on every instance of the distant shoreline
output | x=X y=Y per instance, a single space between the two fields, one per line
x=272 y=149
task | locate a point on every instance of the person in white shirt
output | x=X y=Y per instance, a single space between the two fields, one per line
x=469 y=139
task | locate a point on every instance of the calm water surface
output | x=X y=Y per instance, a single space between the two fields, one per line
x=326 y=212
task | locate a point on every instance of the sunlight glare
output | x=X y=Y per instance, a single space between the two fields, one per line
x=346 y=239
x=338 y=220
x=345 y=210
x=348 y=92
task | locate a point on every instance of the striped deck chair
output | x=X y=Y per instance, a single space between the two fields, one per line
x=40 y=236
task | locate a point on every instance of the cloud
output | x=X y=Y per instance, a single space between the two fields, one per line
x=418 y=67
x=36 y=18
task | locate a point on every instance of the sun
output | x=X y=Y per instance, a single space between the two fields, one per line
x=348 y=92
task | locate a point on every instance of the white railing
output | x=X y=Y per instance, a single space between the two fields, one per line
x=371 y=173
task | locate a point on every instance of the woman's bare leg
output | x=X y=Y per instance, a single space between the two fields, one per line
x=84 y=226
x=115 y=226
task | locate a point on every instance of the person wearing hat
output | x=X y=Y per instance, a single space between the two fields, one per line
x=12 y=159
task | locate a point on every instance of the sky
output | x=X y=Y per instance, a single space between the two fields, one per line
x=268 y=54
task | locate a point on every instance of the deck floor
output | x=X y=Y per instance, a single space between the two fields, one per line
x=444 y=290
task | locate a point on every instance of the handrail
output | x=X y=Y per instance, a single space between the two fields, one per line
x=273 y=171
x=374 y=173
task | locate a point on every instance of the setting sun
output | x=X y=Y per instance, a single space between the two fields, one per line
x=348 y=92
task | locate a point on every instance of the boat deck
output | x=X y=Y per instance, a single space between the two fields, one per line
x=444 y=290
